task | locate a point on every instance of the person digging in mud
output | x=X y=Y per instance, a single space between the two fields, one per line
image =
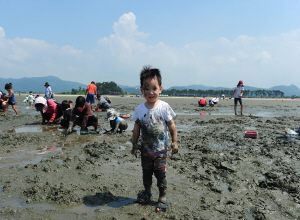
x=82 y=115
x=202 y=102
x=116 y=123
x=51 y=111
x=67 y=113
x=11 y=99
x=2 y=101
x=153 y=118
x=103 y=103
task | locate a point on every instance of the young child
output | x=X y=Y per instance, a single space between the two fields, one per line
x=67 y=113
x=85 y=115
x=153 y=118
x=3 y=100
x=30 y=99
x=11 y=99
x=116 y=122
x=237 y=95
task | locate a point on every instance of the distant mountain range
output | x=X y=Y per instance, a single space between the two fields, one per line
x=36 y=85
x=288 y=90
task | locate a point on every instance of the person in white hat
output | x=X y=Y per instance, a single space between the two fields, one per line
x=49 y=109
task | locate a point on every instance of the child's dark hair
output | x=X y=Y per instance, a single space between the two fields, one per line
x=147 y=73
x=8 y=86
x=65 y=105
x=80 y=101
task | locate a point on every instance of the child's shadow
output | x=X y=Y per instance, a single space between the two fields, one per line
x=107 y=199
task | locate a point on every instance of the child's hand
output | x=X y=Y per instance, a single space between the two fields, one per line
x=174 y=148
x=135 y=149
x=70 y=129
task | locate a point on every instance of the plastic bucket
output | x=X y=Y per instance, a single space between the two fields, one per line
x=251 y=134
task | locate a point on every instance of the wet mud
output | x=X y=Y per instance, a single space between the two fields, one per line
x=217 y=174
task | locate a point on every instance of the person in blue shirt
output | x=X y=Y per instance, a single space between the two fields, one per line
x=11 y=100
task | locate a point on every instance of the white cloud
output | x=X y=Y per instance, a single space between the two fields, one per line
x=121 y=56
x=2 y=33
x=264 y=57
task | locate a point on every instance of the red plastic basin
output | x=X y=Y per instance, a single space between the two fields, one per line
x=251 y=134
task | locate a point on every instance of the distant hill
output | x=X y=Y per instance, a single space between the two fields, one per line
x=131 y=90
x=288 y=90
x=36 y=84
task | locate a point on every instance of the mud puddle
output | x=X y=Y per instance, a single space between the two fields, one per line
x=28 y=157
x=31 y=128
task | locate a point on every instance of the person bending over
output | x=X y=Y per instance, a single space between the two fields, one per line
x=82 y=115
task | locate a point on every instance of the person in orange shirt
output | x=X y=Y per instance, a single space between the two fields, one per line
x=90 y=93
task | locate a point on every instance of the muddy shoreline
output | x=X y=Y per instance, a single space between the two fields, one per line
x=217 y=174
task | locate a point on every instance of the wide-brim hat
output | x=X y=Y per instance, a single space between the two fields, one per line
x=40 y=103
x=46 y=84
x=111 y=114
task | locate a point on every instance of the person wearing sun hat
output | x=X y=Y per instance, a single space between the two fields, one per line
x=48 y=91
x=49 y=109
x=237 y=94
x=116 y=122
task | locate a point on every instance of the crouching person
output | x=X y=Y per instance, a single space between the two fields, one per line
x=82 y=116
x=103 y=103
x=116 y=123
x=67 y=113
x=50 y=110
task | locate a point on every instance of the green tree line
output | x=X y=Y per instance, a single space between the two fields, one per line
x=104 y=88
x=227 y=93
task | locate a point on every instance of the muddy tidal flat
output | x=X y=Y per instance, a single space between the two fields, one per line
x=217 y=174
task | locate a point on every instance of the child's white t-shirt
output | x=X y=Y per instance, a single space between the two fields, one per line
x=30 y=98
x=153 y=123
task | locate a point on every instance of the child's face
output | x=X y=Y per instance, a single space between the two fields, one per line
x=151 y=89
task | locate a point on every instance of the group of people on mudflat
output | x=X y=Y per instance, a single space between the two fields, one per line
x=153 y=122
x=82 y=113
x=237 y=94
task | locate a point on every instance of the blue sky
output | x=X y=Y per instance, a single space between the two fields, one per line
x=214 y=43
